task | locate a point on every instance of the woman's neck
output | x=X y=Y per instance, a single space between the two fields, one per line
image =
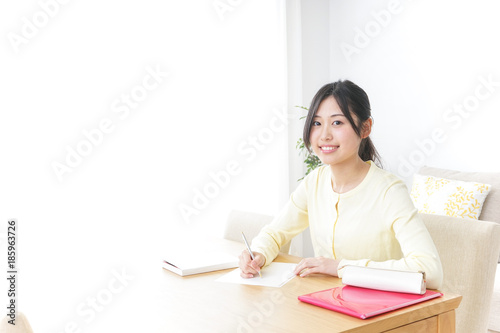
x=347 y=176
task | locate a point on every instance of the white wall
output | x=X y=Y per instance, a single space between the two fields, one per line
x=422 y=62
x=120 y=203
x=308 y=69
x=423 y=65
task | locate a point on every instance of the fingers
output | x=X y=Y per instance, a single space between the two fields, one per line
x=303 y=265
x=309 y=271
x=246 y=275
x=317 y=265
x=244 y=264
x=248 y=267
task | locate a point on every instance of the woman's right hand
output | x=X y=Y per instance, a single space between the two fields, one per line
x=248 y=267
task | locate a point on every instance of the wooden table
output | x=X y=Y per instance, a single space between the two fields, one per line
x=199 y=304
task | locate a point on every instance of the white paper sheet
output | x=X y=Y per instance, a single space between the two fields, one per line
x=274 y=275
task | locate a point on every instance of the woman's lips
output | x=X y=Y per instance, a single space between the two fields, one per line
x=328 y=149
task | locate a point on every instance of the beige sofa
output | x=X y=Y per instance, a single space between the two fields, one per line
x=442 y=224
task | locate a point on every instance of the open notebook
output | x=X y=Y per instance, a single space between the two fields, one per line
x=362 y=302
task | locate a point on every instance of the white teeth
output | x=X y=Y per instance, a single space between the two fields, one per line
x=327 y=148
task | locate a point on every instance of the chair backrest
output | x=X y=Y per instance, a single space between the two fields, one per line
x=22 y=324
x=250 y=223
x=469 y=252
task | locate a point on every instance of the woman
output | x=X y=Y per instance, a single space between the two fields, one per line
x=358 y=214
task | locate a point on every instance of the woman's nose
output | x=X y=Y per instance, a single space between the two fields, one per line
x=326 y=133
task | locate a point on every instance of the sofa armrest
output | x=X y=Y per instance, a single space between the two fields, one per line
x=469 y=252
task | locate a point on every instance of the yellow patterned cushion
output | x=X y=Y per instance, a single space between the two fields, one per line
x=432 y=195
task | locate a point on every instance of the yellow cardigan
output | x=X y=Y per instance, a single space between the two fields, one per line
x=373 y=225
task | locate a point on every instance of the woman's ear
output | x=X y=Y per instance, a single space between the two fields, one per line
x=367 y=128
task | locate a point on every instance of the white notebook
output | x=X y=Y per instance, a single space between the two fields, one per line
x=201 y=262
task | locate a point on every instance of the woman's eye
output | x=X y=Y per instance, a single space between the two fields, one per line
x=316 y=123
x=337 y=122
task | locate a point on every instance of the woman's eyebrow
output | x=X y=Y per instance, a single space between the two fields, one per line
x=333 y=115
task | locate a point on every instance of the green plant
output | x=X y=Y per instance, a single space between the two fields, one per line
x=311 y=161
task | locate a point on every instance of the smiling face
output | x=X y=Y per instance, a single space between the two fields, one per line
x=332 y=136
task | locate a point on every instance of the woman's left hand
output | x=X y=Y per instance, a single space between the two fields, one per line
x=317 y=265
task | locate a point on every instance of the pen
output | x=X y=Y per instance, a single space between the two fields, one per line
x=249 y=251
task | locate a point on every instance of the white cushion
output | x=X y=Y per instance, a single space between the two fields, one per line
x=433 y=195
x=491 y=209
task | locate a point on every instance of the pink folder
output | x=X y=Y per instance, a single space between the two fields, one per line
x=364 y=303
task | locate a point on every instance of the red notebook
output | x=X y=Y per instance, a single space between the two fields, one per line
x=362 y=302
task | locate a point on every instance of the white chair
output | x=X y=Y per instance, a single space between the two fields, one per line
x=469 y=252
x=250 y=224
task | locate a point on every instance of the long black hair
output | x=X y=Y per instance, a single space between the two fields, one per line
x=351 y=100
